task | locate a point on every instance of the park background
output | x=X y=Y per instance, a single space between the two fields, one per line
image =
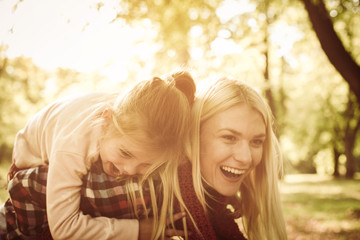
x=302 y=55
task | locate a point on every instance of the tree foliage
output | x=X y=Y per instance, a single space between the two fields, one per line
x=173 y=21
x=25 y=89
x=337 y=46
x=332 y=45
x=21 y=85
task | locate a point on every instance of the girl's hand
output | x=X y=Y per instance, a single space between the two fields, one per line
x=146 y=227
x=172 y=232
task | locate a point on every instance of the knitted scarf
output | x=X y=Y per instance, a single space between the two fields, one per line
x=193 y=205
x=218 y=223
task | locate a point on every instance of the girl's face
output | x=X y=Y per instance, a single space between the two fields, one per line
x=231 y=145
x=121 y=157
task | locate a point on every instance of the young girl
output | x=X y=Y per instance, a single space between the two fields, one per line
x=135 y=134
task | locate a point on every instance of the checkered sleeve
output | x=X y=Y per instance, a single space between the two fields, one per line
x=27 y=192
x=101 y=195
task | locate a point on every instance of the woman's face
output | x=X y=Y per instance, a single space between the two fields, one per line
x=231 y=145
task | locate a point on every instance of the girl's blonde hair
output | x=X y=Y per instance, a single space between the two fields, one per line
x=156 y=115
x=259 y=201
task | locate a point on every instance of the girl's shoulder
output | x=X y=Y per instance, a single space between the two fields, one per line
x=89 y=96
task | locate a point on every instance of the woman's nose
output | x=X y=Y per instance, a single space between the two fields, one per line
x=242 y=152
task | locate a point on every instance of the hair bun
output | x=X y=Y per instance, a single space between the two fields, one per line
x=185 y=83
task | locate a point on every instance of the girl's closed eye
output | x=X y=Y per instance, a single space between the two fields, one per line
x=124 y=153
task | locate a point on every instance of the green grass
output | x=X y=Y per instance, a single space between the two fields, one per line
x=319 y=207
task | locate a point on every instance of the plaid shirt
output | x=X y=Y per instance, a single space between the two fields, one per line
x=102 y=195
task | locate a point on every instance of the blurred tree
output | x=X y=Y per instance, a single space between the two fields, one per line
x=352 y=126
x=342 y=53
x=21 y=85
x=332 y=45
x=24 y=90
x=270 y=17
x=343 y=129
x=173 y=21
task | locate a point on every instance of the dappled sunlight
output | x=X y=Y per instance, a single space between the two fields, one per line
x=231 y=8
x=319 y=184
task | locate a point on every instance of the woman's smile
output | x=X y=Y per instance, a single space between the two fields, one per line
x=231 y=146
x=232 y=173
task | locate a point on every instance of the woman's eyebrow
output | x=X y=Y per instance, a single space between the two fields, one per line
x=260 y=135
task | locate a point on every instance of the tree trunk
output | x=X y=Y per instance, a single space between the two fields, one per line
x=349 y=141
x=336 y=162
x=268 y=91
x=332 y=45
x=350 y=160
x=351 y=114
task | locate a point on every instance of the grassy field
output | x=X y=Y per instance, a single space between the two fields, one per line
x=315 y=207
x=319 y=207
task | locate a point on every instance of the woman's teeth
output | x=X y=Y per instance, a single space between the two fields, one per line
x=232 y=172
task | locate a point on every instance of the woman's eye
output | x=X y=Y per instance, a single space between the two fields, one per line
x=257 y=142
x=229 y=138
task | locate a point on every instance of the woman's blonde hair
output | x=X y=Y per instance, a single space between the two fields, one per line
x=156 y=115
x=259 y=201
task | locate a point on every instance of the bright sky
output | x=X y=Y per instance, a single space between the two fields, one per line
x=67 y=33
x=73 y=34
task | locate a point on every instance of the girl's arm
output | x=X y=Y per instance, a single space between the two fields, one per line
x=66 y=221
x=101 y=195
x=26 y=208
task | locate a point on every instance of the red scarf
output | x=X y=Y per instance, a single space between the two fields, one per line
x=193 y=204
x=218 y=223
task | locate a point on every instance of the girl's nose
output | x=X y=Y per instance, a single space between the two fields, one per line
x=242 y=152
x=129 y=170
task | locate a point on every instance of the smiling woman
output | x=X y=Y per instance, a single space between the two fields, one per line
x=236 y=159
x=231 y=146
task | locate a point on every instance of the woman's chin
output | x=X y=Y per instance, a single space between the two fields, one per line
x=226 y=186
x=228 y=191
